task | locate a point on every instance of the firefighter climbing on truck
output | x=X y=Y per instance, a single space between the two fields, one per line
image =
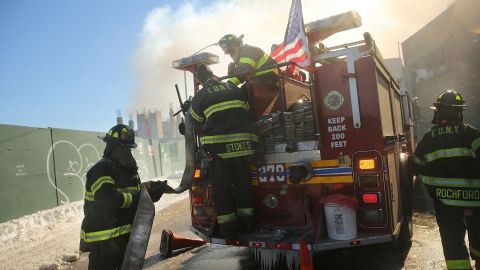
x=222 y=113
x=247 y=58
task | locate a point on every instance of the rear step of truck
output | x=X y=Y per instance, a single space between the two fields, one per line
x=290 y=240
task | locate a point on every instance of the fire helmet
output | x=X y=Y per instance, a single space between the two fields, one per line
x=449 y=99
x=121 y=135
x=204 y=73
x=229 y=42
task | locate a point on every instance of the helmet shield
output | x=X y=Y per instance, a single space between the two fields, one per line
x=121 y=135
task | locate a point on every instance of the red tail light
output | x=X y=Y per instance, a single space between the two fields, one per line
x=370 y=198
x=197 y=199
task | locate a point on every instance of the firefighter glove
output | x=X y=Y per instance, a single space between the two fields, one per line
x=157 y=188
x=186 y=105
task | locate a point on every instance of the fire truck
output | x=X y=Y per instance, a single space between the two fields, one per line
x=348 y=132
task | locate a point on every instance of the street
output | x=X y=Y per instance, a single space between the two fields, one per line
x=425 y=252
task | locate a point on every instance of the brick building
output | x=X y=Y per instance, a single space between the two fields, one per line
x=445 y=54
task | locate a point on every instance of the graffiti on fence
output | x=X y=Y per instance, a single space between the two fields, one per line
x=71 y=161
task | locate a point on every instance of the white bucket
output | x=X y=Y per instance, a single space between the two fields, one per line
x=341 y=222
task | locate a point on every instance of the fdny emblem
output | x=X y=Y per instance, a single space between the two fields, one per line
x=333 y=100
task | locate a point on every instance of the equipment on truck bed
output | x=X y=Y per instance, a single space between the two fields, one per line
x=347 y=132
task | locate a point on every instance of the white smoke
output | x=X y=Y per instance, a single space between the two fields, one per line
x=170 y=34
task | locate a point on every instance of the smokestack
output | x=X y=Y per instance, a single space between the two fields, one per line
x=130 y=121
x=119 y=117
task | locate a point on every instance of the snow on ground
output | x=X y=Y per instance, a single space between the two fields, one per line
x=49 y=239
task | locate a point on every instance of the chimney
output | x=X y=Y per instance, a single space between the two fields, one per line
x=130 y=121
x=119 y=117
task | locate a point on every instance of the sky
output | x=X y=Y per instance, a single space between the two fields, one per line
x=73 y=64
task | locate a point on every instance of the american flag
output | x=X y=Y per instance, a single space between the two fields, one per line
x=295 y=46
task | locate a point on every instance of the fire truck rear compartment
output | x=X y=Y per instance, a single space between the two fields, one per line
x=342 y=136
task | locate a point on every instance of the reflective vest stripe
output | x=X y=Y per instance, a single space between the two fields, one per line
x=249 y=61
x=89 y=196
x=234 y=80
x=476 y=145
x=474 y=251
x=237 y=154
x=262 y=60
x=264 y=71
x=245 y=212
x=226 y=218
x=459 y=264
x=105 y=234
x=128 y=189
x=196 y=116
x=100 y=181
x=460 y=203
x=447 y=153
x=127 y=200
x=225 y=106
x=228 y=138
x=450 y=182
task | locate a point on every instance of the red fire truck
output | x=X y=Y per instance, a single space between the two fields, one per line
x=347 y=132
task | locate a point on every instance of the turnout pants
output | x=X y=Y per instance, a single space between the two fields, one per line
x=453 y=222
x=232 y=192
x=108 y=254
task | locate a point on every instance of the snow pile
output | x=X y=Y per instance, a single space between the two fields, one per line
x=18 y=232
x=49 y=239
x=41 y=238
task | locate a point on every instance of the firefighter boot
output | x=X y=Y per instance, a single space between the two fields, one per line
x=227 y=230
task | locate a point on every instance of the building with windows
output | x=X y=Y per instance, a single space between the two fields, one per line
x=445 y=54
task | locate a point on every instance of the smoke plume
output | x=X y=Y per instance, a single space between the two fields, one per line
x=169 y=34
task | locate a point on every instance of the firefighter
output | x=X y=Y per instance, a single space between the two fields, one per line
x=247 y=58
x=447 y=162
x=222 y=116
x=112 y=193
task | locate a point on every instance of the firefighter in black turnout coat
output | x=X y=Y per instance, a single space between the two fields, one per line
x=247 y=58
x=447 y=162
x=112 y=193
x=221 y=112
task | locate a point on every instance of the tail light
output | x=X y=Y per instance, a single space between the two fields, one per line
x=370 y=189
x=197 y=199
x=367 y=164
x=197 y=174
x=370 y=198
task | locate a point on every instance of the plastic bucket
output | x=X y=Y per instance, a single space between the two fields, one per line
x=341 y=222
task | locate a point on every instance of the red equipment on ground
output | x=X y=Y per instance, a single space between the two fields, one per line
x=170 y=242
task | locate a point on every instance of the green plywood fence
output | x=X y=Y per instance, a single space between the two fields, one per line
x=41 y=168
x=25 y=186
x=74 y=153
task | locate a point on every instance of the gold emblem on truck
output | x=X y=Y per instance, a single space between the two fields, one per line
x=333 y=100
